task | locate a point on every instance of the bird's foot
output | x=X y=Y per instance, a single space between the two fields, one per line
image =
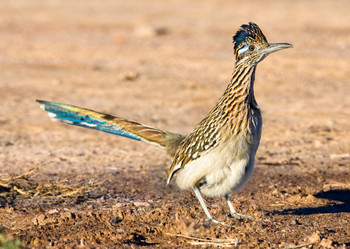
x=216 y=221
x=241 y=216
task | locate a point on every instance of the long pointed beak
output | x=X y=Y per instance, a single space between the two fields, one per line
x=273 y=47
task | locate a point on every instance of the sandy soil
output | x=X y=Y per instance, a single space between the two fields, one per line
x=165 y=63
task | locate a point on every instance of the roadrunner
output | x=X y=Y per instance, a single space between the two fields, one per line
x=217 y=158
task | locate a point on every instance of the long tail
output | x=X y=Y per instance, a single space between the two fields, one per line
x=74 y=115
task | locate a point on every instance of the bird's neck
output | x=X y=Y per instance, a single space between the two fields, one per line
x=238 y=98
x=241 y=87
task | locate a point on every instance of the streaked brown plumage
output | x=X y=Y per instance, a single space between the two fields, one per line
x=218 y=156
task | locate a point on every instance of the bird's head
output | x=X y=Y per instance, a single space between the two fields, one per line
x=251 y=46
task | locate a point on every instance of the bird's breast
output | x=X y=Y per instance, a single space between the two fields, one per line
x=227 y=167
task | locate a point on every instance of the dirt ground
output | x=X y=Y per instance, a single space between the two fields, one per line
x=165 y=63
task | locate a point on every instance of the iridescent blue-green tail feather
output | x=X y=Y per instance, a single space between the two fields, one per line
x=74 y=115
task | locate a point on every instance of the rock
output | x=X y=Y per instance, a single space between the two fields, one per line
x=327 y=243
x=118 y=205
x=275 y=192
x=67 y=215
x=141 y=204
x=39 y=220
x=294 y=198
x=315 y=237
x=131 y=76
x=310 y=199
x=120 y=230
x=52 y=211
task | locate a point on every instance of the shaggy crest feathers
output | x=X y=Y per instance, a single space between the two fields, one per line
x=248 y=33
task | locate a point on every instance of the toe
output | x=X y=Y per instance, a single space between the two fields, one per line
x=217 y=222
x=241 y=216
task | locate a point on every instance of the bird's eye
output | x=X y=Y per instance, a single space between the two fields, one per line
x=251 y=48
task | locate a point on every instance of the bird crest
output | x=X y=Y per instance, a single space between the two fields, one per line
x=247 y=34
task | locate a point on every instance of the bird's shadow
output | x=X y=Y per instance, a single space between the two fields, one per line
x=341 y=204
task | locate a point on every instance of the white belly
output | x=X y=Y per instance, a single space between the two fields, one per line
x=226 y=168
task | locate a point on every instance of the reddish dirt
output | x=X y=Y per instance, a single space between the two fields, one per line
x=165 y=64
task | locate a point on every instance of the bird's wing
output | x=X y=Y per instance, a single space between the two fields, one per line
x=202 y=140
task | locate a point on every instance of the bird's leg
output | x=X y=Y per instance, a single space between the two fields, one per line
x=233 y=212
x=201 y=201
